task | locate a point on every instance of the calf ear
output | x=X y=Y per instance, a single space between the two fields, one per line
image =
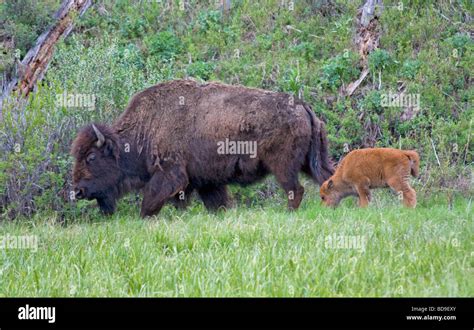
x=330 y=184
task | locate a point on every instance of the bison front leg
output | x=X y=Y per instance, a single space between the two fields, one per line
x=182 y=199
x=106 y=205
x=214 y=197
x=162 y=186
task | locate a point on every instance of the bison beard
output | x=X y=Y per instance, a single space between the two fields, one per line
x=166 y=144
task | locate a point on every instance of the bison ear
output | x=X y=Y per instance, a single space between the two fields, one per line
x=111 y=148
x=330 y=184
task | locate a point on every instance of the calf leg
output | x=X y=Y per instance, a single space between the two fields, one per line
x=363 y=191
x=409 y=197
x=162 y=186
x=214 y=197
x=401 y=185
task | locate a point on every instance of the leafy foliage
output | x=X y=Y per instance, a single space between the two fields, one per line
x=163 y=45
x=338 y=70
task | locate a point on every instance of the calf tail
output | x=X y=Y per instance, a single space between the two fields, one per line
x=414 y=162
x=320 y=164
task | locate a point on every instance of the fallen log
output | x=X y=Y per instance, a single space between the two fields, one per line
x=35 y=63
x=366 y=39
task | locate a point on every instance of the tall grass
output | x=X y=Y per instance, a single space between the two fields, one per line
x=257 y=251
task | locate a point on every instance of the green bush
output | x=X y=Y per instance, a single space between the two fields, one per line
x=338 y=70
x=25 y=20
x=33 y=155
x=209 y=20
x=201 y=70
x=410 y=68
x=164 y=45
x=21 y=23
x=381 y=60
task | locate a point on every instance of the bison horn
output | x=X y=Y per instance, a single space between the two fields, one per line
x=100 y=137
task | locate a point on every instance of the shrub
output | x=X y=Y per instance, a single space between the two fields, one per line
x=201 y=70
x=338 y=70
x=164 y=45
x=460 y=42
x=410 y=68
x=209 y=20
x=25 y=20
x=380 y=60
x=33 y=155
x=133 y=28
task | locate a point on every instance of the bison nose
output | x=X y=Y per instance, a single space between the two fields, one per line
x=79 y=193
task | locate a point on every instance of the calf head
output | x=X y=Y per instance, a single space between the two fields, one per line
x=96 y=172
x=330 y=196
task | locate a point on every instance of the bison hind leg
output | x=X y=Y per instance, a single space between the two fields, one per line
x=285 y=164
x=214 y=197
x=288 y=179
x=295 y=196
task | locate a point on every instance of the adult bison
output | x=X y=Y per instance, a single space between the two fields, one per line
x=181 y=135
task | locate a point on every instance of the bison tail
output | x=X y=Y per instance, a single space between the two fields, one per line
x=414 y=162
x=320 y=164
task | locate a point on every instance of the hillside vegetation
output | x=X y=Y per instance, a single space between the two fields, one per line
x=304 y=47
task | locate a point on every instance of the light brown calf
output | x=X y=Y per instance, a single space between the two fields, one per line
x=365 y=169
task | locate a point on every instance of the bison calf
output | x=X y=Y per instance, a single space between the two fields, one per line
x=364 y=169
x=181 y=136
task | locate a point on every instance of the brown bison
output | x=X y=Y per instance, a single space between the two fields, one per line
x=364 y=169
x=181 y=136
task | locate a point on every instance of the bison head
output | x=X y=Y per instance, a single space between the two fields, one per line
x=96 y=173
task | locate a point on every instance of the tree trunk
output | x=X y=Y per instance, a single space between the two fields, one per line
x=366 y=39
x=33 y=67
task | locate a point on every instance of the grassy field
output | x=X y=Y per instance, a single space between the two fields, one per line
x=384 y=250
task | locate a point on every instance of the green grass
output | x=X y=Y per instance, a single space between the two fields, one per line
x=257 y=251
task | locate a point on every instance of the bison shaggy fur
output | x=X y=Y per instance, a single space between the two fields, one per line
x=166 y=144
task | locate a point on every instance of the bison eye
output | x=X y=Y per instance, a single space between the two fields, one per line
x=90 y=157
